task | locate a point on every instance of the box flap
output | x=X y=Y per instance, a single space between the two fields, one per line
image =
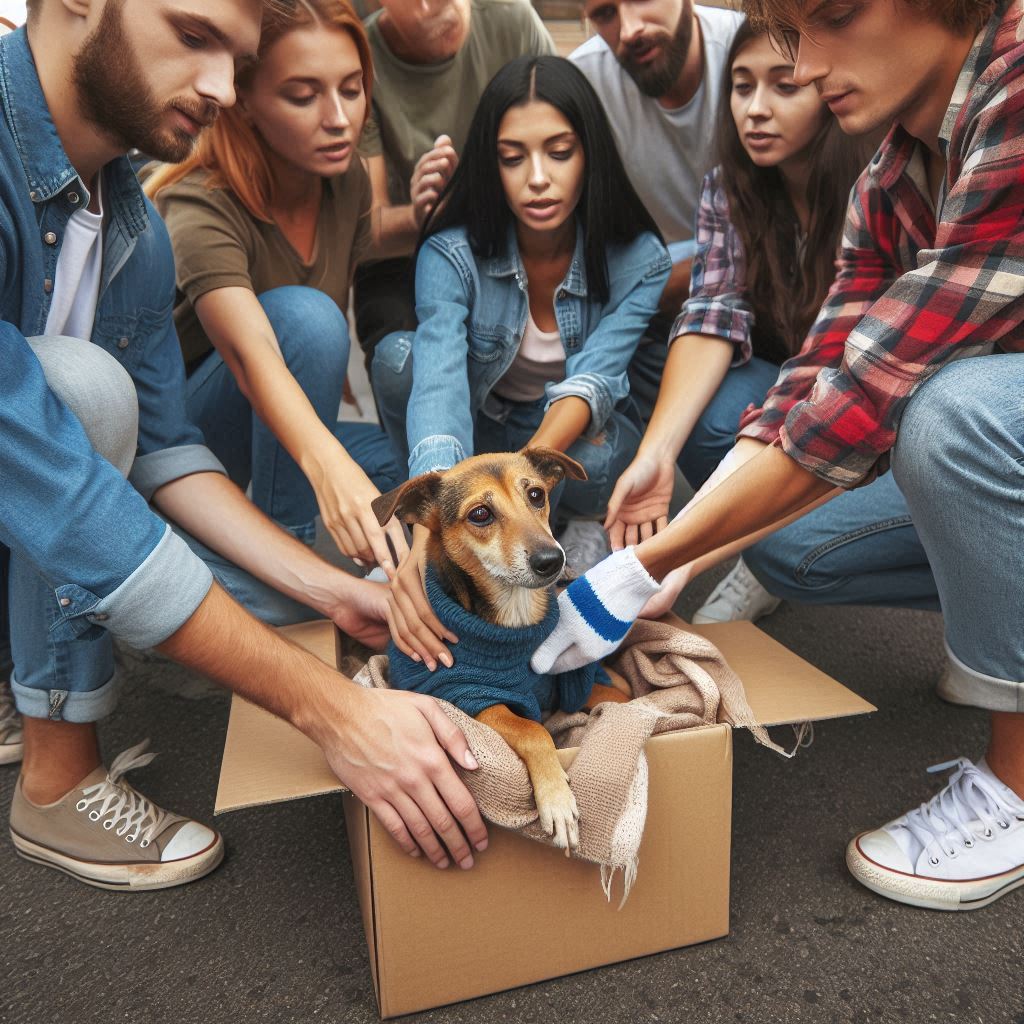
x=781 y=687
x=266 y=760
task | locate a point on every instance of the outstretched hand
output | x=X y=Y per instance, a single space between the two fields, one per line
x=638 y=507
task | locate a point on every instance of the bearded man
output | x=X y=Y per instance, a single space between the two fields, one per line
x=657 y=66
x=93 y=392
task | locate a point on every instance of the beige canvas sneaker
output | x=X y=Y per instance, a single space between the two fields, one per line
x=11 y=745
x=105 y=833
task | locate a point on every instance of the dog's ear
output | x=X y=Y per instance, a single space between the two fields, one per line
x=553 y=465
x=413 y=502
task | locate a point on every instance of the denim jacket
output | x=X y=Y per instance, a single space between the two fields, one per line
x=472 y=314
x=88 y=531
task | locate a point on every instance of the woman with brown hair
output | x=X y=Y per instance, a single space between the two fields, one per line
x=768 y=230
x=268 y=220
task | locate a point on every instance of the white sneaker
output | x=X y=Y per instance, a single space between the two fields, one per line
x=585 y=544
x=11 y=745
x=738 y=598
x=961 y=850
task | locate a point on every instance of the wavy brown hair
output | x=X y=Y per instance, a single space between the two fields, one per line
x=786 y=282
x=783 y=19
x=231 y=150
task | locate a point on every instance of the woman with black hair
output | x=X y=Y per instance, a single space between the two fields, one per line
x=537 y=276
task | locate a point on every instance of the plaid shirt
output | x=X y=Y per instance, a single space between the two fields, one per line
x=718 y=303
x=916 y=286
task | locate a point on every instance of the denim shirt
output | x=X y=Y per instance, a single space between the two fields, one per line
x=472 y=314
x=89 y=532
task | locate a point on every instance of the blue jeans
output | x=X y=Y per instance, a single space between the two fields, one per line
x=314 y=340
x=507 y=427
x=714 y=433
x=73 y=680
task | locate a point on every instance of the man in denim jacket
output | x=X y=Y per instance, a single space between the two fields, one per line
x=82 y=555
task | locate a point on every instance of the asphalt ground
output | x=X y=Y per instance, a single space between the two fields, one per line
x=275 y=933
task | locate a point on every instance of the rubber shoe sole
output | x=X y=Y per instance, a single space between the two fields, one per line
x=124 y=877
x=929 y=893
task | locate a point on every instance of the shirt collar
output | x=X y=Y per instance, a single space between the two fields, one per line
x=509 y=264
x=986 y=44
x=47 y=168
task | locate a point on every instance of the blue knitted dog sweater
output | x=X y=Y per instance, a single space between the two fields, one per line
x=492 y=665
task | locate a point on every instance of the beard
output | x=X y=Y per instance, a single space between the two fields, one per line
x=657 y=78
x=114 y=96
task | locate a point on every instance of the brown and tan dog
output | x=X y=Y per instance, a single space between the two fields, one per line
x=493 y=552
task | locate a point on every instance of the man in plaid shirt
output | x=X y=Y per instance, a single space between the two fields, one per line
x=931 y=272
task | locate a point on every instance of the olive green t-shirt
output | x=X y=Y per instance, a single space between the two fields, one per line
x=219 y=244
x=414 y=103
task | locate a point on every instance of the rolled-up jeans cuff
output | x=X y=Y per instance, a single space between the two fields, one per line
x=961 y=684
x=66 y=705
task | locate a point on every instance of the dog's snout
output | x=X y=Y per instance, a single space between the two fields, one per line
x=547 y=561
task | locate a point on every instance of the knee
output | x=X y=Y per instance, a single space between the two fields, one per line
x=944 y=426
x=391 y=369
x=311 y=330
x=775 y=563
x=98 y=390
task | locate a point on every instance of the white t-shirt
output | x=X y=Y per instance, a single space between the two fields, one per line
x=76 y=285
x=540 y=358
x=666 y=152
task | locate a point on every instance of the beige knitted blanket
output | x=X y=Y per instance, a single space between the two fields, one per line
x=679 y=681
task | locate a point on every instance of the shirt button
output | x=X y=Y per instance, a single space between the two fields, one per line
x=99 y=617
x=122 y=343
x=65 y=601
x=73 y=198
x=48 y=286
x=32 y=196
x=50 y=238
x=561 y=293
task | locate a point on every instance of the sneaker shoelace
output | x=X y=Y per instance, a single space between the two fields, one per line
x=740 y=583
x=120 y=806
x=10 y=720
x=968 y=797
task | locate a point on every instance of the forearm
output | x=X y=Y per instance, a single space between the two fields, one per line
x=563 y=424
x=217 y=513
x=394 y=231
x=763 y=493
x=223 y=641
x=694 y=371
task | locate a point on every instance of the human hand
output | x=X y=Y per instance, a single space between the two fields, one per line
x=431 y=174
x=392 y=751
x=595 y=612
x=638 y=507
x=344 y=493
x=360 y=610
x=416 y=630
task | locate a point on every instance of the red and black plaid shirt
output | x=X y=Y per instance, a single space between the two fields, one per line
x=916 y=286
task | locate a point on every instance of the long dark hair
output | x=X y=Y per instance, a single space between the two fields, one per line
x=609 y=209
x=786 y=285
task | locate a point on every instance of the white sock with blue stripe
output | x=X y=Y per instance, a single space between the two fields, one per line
x=595 y=612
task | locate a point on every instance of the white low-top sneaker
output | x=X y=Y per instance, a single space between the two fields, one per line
x=738 y=598
x=11 y=744
x=961 y=850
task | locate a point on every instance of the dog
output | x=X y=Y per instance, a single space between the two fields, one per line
x=492 y=552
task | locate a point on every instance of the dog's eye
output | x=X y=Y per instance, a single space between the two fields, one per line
x=480 y=516
x=535 y=496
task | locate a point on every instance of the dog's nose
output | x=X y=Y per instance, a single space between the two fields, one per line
x=547 y=561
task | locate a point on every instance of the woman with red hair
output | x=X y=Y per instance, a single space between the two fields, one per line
x=268 y=220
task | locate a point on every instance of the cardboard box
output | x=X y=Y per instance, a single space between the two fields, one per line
x=554 y=919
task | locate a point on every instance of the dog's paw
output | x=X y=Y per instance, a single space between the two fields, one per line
x=559 y=815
